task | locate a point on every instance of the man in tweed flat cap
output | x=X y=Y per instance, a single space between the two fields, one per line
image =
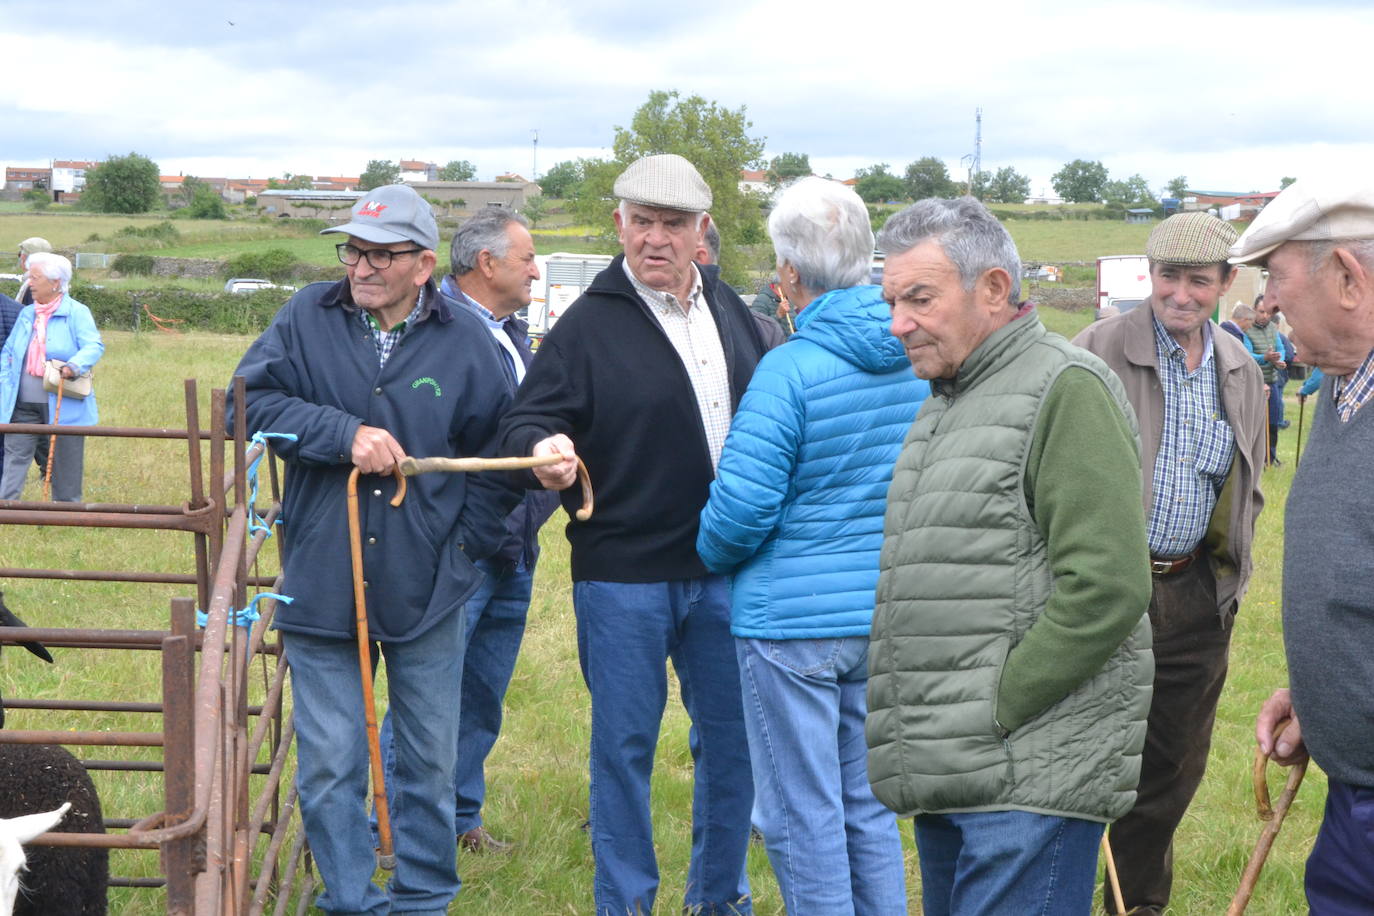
x=1199 y=400
x=640 y=378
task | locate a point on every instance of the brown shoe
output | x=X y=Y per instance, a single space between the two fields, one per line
x=479 y=840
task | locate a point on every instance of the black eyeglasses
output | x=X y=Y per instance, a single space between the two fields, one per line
x=377 y=258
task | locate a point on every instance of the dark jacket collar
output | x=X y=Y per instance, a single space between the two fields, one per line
x=340 y=295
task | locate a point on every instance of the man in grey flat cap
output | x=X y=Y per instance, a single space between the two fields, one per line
x=358 y=374
x=1317 y=239
x=640 y=378
x=1199 y=400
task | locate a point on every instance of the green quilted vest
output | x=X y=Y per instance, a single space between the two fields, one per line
x=964 y=573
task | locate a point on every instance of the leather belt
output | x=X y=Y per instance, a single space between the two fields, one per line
x=1160 y=567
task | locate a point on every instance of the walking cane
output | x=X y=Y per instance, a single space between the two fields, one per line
x=52 y=445
x=386 y=857
x=412 y=466
x=1273 y=815
x=1111 y=875
x=1297 y=453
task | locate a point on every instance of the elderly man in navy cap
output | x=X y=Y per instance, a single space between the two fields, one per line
x=1317 y=239
x=640 y=378
x=1199 y=401
x=359 y=374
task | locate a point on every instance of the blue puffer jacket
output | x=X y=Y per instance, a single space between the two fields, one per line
x=796 y=510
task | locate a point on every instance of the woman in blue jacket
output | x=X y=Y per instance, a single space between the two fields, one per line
x=796 y=515
x=53 y=326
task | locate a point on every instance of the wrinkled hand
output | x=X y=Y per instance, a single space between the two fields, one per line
x=1274 y=357
x=68 y=372
x=375 y=451
x=556 y=476
x=1288 y=748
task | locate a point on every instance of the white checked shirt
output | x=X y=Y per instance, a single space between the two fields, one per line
x=692 y=331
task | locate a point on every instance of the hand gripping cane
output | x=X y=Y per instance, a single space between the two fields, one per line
x=1273 y=816
x=412 y=466
x=386 y=857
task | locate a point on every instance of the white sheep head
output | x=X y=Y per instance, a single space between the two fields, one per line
x=14 y=833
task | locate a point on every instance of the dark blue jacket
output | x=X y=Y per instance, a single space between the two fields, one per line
x=521 y=544
x=9 y=311
x=314 y=373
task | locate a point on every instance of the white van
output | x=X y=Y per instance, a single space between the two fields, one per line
x=562 y=278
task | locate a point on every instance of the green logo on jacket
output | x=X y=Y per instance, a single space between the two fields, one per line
x=438 y=392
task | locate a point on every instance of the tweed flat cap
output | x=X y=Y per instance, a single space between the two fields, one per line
x=34 y=245
x=666 y=180
x=1191 y=240
x=1309 y=211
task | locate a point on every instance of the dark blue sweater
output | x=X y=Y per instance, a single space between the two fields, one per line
x=314 y=373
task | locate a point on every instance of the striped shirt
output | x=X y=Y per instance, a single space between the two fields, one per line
x=386 y=340
x=1196 y=447
x=692 y=331
x=1354 y=390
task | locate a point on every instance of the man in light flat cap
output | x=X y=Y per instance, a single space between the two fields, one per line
x=31 y=245
x=1317 y=239
x=359 y=374
x=1198 y=397
x=640 y=378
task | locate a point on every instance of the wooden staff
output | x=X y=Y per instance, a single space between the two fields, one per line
x=1272 y=815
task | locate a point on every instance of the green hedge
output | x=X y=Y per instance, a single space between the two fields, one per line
x=141 y=264
x=225 y=313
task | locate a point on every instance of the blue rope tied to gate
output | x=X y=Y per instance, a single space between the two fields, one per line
x=248 y=615
x=254 y=520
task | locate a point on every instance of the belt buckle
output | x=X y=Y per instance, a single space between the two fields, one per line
x=1162 y=567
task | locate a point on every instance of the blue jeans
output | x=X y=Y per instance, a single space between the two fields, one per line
x=1339 y=881
x=834 y=848
x=495 y=625
x=626 y=631
x=332 y=768
x=1007 y=862
x=1275 y=416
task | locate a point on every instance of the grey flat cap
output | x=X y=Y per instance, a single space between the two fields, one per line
x=34 y=245
x=392 y=213
x=1191 y=240
x=666 y=180
x=1309 y=211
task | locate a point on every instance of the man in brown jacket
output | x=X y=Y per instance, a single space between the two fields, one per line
x=1199 y=400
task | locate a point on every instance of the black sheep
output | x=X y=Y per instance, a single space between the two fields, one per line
x=41 y=777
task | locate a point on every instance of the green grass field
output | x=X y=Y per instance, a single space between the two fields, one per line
x=537 y=793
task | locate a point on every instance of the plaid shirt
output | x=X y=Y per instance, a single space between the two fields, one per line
x=386 y=340
x=1196 y=446
x=1354 y=390
x=692 y=331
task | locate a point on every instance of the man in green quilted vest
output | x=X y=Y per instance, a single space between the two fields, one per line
x=1010 y=664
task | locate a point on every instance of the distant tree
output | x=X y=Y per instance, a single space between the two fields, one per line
x=187 y=192
x=379 y=172
x=1176 y=187
x=928 y=177
x=535 y=209
x=787 y=166
x=123 y=184
x=206 y=203
x=876 y=184
x=458 y=170
x=1285 y=182
x=714 y=139
x=1134 y=190
x=1007 y=186
x=559 y=180
x=38 y=198
x=1080 y=181
x=592 y=198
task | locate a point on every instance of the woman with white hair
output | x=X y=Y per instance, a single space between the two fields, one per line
x=54 y=327
x=796 y=515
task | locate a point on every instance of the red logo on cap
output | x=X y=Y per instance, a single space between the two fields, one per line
x=372 y=208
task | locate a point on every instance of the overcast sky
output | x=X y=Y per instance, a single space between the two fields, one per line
x=1232 y=94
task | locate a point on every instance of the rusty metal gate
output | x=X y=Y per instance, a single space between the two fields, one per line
x=226 y=833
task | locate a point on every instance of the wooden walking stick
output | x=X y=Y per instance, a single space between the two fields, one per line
x=1112 y=878
x=1272 y=815
x=412 y=466
x=52 y=446
x=386 y=857
x=1297 y=448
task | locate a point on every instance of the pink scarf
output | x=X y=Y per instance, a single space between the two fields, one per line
x=38 y=343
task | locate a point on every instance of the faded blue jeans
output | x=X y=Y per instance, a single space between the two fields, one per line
x=626 y=633
x=1007 y=862
x=332 y=768
x=834 y=848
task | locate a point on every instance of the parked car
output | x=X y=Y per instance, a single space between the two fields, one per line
x=252 y=285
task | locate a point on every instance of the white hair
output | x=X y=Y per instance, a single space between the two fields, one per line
x=821 y=228
x=52 y=266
